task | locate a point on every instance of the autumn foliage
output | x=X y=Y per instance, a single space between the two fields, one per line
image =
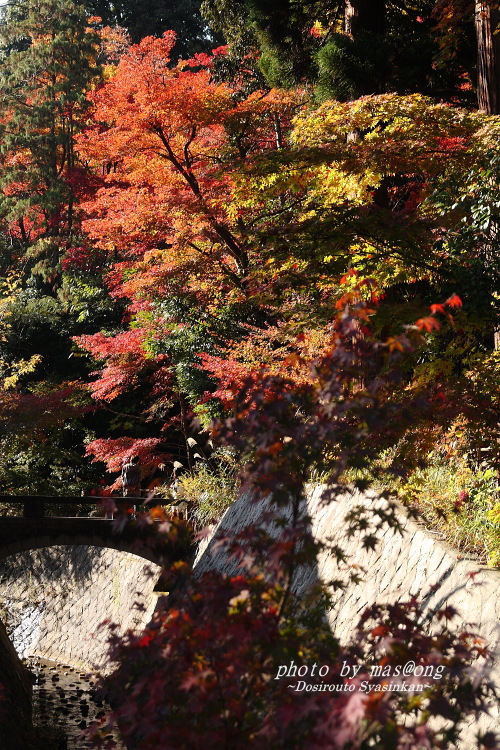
x=307 y=283
x=210 y=665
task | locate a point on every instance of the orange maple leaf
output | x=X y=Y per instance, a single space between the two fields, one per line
x=428 y=324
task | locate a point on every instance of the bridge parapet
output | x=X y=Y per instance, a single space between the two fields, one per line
x=34 y=506
x=21 y=533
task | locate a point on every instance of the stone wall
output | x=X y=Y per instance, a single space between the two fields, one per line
x=414 y=562
x=55 y=599
x=15 y=697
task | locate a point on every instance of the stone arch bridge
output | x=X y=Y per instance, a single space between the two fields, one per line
x=62 y=578
x=34 y=530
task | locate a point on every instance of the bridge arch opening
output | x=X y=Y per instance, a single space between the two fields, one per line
x=56 y=597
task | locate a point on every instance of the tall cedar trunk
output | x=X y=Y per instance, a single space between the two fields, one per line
x=488 y=56
x=488 y=90
x=364 y=15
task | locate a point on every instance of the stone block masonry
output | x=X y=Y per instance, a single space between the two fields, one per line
x=15 y=702
x=55 y=599
x=414 y=563
x=401 y=565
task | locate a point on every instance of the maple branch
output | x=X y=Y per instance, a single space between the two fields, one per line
x=270 y=214
x=22 y=228
x=198 y=249
x=291 y=566
x=228 y=271
x=63 y=160
x=122 y=414
x=235 y=249
x=188 y=176
x=187 y=156
x=280 y=143
x=238 y=139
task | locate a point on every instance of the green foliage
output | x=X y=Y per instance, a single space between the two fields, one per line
x=50 y=465
x=460 y=503
x=189 y=331
x=42 y=434
x=88 y=305
x=469 y=205
x=400 y=60
x=343 y=69
x=48 y=67
x=279 y=29
x=390 y=47
x=38 y=325
x=210 y=488
x=230 y=20
x=144 y=18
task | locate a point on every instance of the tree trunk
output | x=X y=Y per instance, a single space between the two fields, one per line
x=364 y=15
x=487 y=15
x=184 y=428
